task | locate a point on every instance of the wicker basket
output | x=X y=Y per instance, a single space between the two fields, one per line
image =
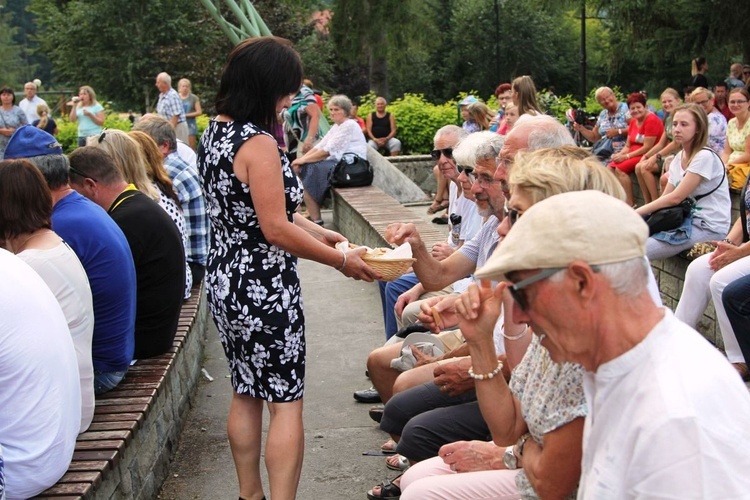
x=389 y=269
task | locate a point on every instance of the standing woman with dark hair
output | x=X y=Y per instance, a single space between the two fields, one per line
x=524 y=97
x=698 y=68
x=11 y=117
x=251 y=279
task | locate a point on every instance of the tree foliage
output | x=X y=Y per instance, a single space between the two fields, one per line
x=11 y=71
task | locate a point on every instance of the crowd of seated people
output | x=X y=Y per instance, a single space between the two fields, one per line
x=85 y=240
x=498 y=412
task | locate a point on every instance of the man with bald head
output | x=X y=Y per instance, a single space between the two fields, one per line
x=611 y=128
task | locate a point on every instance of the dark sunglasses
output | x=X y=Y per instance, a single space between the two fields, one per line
x=516 y=290
x=468 y=170
x=512 y=215
x=102 y=136
x=447 y=152
x=81 y=174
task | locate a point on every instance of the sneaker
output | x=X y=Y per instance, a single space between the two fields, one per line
x=367 y=396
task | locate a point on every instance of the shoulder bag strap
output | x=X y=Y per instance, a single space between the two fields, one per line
x=723 y=176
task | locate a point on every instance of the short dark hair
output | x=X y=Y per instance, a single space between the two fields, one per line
x=95 y=163
x=8 y=90
x=25 y=199
x=258 y=72
x=636 y=97
x=721 y=84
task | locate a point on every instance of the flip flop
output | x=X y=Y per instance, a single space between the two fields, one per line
x=437 y=206
x=388 y=491
x=397 y=462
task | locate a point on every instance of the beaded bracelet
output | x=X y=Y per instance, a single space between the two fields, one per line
x=486 y=376
x=514 y=337
x=344 y=264
x=727 y=240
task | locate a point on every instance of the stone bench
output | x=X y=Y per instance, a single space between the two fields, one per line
x=125 y=452
x=362 y=214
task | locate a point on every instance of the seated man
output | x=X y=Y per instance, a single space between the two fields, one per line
x=187 y=185
x=154 y=241
x=102 y=249
x=40 y=395
x=656 y=426
x=381 y=129
x=446 y=140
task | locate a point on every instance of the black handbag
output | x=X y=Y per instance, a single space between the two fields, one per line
x=668 y=218
x=351 y=171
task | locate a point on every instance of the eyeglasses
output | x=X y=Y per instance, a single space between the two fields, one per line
x=501 y=161
x=516 y=290
x=447 y=152
x=746 y=72
x=81 y=174
x=736 y=103
x=701 y=103
x=484 y=181
x=512 y=214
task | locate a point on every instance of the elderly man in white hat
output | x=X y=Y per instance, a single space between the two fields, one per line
x=668 y=416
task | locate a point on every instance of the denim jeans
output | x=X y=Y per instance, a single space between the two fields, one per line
x=389 y=293
x=106 y=381
x=736 y=300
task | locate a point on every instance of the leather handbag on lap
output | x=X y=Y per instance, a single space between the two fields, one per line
x=351 y=171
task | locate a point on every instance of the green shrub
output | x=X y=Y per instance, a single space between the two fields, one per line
x=67 y=131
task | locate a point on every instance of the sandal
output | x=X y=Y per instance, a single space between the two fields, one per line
x=397 y=462
x=437 y=206
x=389 y=490
x=389 y=447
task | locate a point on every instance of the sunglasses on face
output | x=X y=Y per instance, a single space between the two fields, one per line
x=447 y=152
x=516 y=290
x=463 y=168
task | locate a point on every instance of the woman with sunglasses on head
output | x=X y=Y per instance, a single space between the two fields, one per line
x=87 y=112
x=536 y=420
x=252 y=283
x=696 y=172
x=11 y=117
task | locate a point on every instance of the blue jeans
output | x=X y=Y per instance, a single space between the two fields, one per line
x=106 y=381
x=736 y=300
x=389 y=292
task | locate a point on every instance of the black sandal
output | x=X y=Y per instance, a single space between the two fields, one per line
x=388 y=490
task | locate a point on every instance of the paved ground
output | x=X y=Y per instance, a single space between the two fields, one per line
x=344 y=323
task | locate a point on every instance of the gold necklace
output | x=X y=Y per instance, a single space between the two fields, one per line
x=36 y=233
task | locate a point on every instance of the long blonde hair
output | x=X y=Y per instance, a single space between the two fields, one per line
x=154 y=162
x=43 y=111
x=128 y=157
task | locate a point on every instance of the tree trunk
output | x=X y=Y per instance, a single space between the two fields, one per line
x=379 y=64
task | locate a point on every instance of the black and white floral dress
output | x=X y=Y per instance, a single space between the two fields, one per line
x=252 y=286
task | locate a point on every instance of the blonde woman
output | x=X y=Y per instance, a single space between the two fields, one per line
x=45 y=121
x=87 y=112
x=168 y=200
x=191 y=104
x=128 y=157
x=653 y=161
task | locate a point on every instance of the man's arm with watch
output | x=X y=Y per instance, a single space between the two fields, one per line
x=553 y=470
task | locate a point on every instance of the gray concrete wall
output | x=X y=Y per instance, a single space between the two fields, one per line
x=419 y=169
x=393 y=181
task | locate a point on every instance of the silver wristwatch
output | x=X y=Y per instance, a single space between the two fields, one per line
x=509 y=458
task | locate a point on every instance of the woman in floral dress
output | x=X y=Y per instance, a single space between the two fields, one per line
x=252 y=283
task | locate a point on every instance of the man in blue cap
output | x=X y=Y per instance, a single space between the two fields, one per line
x=100 y=246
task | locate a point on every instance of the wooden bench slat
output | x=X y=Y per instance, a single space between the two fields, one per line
x=90 y=435
x=138 y=408
x=128 y=425
x=111 y=456
x=60 y=489
x=93 y=477
x=128 y=393
x=105 y=444
x=117 y=400
x=88 y=465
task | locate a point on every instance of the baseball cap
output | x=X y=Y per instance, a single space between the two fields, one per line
x=28 y=141
x=589 y=226
x=467 y=100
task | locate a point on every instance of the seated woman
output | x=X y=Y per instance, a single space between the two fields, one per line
x=129 y=159
x=651 y=165
x=45 y=121
x=314 y=166
x=168 y=199
x=697 y=172
x=644 y=131
x=737 y=148
x=26 y=227
x=717 y=124
x=708 y=276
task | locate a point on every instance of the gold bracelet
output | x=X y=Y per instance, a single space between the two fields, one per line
x=486 y=376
